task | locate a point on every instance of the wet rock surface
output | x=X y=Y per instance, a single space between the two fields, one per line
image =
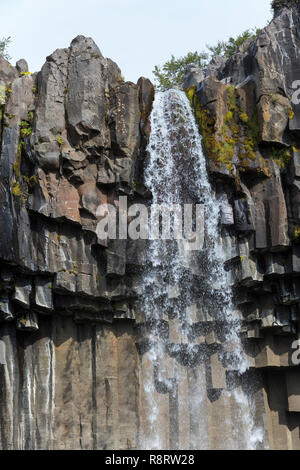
x=73 y=138
x=251 y=109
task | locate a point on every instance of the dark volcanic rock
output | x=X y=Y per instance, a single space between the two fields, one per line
x=248 y=112
x=22 y=66
x=73 y=139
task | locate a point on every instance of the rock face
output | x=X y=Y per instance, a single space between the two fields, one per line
x=248 y=114
x=71 y=136
x=73 y=139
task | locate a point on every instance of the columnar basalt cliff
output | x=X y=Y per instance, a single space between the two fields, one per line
x=71 y=136
x=77 y=367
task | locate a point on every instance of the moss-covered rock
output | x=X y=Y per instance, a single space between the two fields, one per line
x=231 y=137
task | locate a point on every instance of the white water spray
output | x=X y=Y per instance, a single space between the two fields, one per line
x=176 y=280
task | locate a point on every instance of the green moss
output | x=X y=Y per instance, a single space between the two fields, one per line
x=31 y=180
x=16 y=189
x=281 y=156
x=229 y=116
x=24 y=74
x=26 y=132
x=30 y=116
x=26 y=129
x=24 y=124
x=75 y=269
x=251 y=137
x=244 y=117
x=297 y=232
x=60 y=141
x=238 y=137
x=206 y=123
x=221 y=149
x=231 y=99
x=291 y=113
x=22 y=184
x=2 y=95
x=17 y=164
x=73 y=272
x=191 y=94
x=254 y=126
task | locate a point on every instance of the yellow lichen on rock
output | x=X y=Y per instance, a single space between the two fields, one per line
x=230 y=137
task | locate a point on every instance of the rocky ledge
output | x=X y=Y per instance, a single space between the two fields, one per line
x=74 y=137
x=248 y=111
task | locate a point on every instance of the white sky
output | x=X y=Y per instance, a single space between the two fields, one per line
x=137 y=34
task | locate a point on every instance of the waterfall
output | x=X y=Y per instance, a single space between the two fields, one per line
x=193 y=357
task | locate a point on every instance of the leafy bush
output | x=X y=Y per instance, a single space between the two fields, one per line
x=232 y=46
x=4 y=42
x=171 y=73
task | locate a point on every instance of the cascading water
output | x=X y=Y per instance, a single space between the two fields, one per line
x=190 y=324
